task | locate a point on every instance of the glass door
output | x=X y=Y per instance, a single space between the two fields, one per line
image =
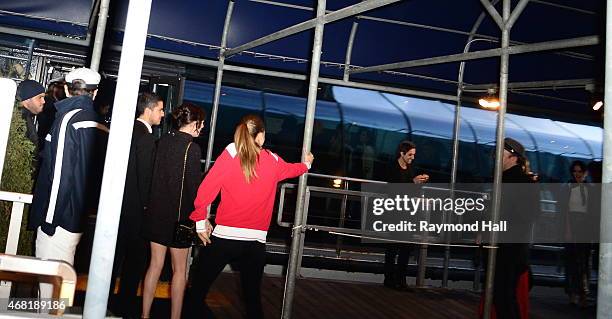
x=170 y=89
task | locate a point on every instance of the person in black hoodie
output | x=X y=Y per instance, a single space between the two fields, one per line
x=518 y=207
x=68 y=185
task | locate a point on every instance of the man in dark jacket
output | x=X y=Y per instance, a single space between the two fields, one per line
x=68 y=185
x=131 y=252
x=31 y=96
x=518 y=207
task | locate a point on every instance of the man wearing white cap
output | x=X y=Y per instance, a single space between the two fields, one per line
x=68 y=185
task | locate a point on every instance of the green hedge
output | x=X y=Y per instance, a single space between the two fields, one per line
x=17 y=177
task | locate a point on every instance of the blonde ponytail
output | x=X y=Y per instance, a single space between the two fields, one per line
x=248 y=150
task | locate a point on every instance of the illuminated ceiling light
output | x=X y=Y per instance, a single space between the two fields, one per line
x=597 y=105
x=490 y=102
x=337 y=183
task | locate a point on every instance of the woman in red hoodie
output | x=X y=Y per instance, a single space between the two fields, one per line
x=246 y=174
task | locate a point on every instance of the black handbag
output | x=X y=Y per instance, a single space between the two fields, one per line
x=184 y=230
x=184 y=233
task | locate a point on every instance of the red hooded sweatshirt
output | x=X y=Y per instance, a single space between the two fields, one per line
x=246 y=208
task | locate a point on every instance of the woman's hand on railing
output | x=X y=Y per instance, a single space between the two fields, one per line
x=309 y=158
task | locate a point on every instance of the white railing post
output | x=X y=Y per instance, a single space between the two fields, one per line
x=12 y=238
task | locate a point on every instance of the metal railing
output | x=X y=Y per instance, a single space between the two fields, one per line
x=359 y=233
x=342 y=231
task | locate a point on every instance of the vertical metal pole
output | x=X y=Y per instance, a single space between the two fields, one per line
x=96 y=54
x=421 y=266
x=115 y=167
x=455 y=162
x=604 y=284
x=456 y=129
x=311 y=104
x=215 y=106
x=456 y=134
x=349 y=51
x=499 y=149
x=30 y=56
x=300 y=253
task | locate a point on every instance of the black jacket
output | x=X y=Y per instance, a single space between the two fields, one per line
x=519 y=205
x=162 y=213
x=31 y=132
x=68 y=185
x=138 y=178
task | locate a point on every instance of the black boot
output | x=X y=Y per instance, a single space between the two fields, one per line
x=400 y=277
x=389 y=280
x=400 y=282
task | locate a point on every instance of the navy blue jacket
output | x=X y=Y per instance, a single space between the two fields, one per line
x=68 y=185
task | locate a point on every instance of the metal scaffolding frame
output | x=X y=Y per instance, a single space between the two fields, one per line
x=213 y=63
x=133 y=54
x=100 y=32
x=456 y=131
x=312 y=23
x=218 y=80
x=516 y=49
x=298 y=232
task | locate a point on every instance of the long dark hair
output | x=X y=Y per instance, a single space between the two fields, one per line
x=244 y=138
x=575 y=163
x=186 y=113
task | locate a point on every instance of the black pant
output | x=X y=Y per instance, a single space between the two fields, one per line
x=130 y=264
x=510 y=264
x=396 y=271
x=577 y=268
x=250 y=257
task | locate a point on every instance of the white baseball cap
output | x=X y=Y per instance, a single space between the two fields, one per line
x=89 y=76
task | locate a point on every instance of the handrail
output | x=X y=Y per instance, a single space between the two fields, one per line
x=19 y=200
x=485 y=195
x=16 y=197
x=352 y=179
x=353 y=193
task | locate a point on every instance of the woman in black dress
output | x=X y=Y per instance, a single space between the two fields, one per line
x=177 y=167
